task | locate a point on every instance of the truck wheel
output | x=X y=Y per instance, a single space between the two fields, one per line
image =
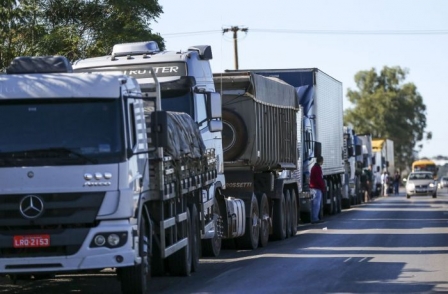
x=252 y=232
x=338 y=198
x=329 y=196
x=212 y=247
x=180 y=261
x=264 y=219
x=279 y=219
x=294 y=218
x=195 y=238
x=288 y=213
x=234 y=135
x=134 y=279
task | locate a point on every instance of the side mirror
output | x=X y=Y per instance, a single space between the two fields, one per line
x=214 y=107
x=215 y=126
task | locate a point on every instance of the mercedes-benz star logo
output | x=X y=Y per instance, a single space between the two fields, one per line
x=31 y=206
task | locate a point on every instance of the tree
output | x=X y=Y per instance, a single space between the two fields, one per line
x=387 y=107
x=72 y=28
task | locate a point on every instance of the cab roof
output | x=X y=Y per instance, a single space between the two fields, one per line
x=62 y=85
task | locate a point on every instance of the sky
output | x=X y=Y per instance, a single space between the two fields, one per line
x=340 y=37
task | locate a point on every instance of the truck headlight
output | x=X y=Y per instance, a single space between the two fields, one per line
x=113 y=240
x=99 y=240
x=109 y=239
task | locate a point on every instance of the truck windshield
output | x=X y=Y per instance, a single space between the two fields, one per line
x=60 y=132
x=182 y=103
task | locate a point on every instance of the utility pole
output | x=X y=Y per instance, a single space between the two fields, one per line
x=235 y=30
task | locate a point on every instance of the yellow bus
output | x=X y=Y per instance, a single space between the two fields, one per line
x=425 y=165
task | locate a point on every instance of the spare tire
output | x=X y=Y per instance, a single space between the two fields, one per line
x=234 y=135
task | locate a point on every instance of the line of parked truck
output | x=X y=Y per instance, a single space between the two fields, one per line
x=145 y=160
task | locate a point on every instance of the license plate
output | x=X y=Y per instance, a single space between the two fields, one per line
x=421 y=190
x=31 y=241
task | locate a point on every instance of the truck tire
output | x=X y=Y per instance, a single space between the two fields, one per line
x=288 y=213
x=180 y=262
x=329 y=209
x=346 y=203
x=234 y=135
x=252 y=232
x=212 y=247
x=134 y=279
x=195 y=238
x=279 y=218
x=338 y=197
x=294 y=210
x=264 y=219
x=157 y=262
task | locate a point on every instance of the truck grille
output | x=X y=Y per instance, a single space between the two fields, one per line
x=66 y=217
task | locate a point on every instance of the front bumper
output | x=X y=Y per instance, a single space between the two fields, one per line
x=86 y=258
x=421 y=192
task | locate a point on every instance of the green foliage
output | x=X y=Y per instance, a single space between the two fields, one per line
x=387 y=107
x=73 y=28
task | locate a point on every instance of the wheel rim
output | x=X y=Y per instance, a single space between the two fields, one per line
x=264 y=230
x=255 y=223
x=284 y=213
x=216 y=240
x=288 y=213
x=293 y=213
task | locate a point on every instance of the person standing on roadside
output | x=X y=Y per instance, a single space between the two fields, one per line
x=397 y=178
x=385 y=181
x=317 y=187
x=378 y=185
x=383 y=176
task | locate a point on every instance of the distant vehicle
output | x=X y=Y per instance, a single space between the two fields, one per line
x=425 y=165
x=443 y=182
x=421 y=183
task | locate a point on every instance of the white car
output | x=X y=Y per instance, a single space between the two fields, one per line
x=421 y=183
x=443 y=182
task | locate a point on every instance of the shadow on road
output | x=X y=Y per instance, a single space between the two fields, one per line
x=390 y=245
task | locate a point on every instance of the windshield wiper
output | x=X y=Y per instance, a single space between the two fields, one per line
x=48 y=153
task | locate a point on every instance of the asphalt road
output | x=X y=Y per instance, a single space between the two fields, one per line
x=390 y=245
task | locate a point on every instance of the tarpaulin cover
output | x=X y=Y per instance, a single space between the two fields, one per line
x=184 y=136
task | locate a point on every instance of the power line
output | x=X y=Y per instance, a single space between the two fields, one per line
x=354 y=32
x=192 y=33
x=323 y=32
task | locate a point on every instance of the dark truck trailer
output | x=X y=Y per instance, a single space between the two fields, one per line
x=261 y=138
x=320 y=95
